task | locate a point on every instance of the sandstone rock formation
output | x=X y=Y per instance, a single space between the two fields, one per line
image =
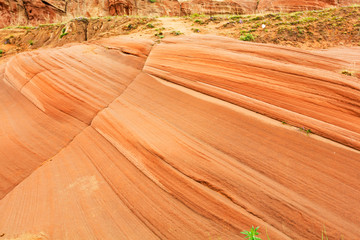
x=144 y=7
x=122 y=7
x=300 y=5
x=11 y=12
x=122 y=139
x=218 y=7
x=17 y=12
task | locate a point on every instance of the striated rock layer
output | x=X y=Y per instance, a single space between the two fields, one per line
x=14 y=12
x=301 y=5
x=119 y=139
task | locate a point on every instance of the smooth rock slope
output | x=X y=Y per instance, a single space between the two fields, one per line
x=123 y=139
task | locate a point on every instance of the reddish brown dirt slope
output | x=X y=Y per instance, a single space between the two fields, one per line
x=107 y=141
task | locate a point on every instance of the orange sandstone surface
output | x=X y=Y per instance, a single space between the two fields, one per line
x=123 y=139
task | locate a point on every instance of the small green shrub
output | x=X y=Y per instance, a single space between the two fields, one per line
x=176 y=33
x=307 y=131
x=159 y=35
x=199 y=21
x=152 y=1
x=251 y=235
x=247 y=37
x=31 y=42
x=130 y=26
x=63 y=33
x=149 y=25
x=257 y=18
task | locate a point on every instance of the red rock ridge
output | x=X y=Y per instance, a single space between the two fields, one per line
x=123 y=139
x=44 y=11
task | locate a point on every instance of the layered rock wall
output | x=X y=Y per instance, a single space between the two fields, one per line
x=218 y=7
x=17 y=12
x=144 y=7
x=289 y=6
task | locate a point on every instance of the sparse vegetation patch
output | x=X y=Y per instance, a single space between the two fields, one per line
x=247 y=37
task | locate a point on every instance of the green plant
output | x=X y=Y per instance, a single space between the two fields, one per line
x=247 y=37
x=149 y=25
x=31 y=42
x=130 y=26
x=194 y=15
x=152 y=1
x=251 y=235
x=301 y=30
x=235 y=17
x=267 y=236
x=307 y=131
x=63 y=33
x=176 y=33
x=25 y=27
x=307 y=19
x=323 y=234
x=159 y=35
x=1 y=51
x=257 y=18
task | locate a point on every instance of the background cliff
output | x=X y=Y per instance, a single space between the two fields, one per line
x=13 y=12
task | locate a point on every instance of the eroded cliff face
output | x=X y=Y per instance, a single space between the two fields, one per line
x=9 y=11
x=218 y=7
x=145 y=7
x=41 y=11
x=15 y=12
x=300 y=5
